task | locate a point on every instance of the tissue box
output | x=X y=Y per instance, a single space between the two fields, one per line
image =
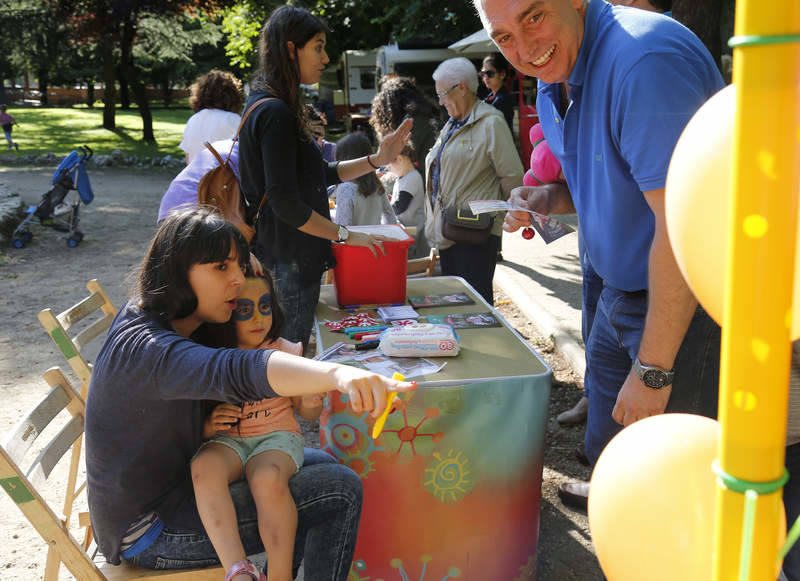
x=361 y=279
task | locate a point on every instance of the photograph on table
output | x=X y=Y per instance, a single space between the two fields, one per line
x=465 y=320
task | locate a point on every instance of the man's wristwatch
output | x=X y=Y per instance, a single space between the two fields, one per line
x=344 y=233
x=653 y=377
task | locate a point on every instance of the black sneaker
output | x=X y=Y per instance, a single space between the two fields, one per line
x=16 y=146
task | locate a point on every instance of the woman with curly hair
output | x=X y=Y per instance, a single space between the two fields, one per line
x=397 y=98
x=281 y=164
x=216 y=99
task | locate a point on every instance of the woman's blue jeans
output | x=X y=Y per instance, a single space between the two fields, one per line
x=328 y=497
x=612 y=345
x=298 y=300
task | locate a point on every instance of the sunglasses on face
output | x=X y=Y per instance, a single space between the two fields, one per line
x=488 y=74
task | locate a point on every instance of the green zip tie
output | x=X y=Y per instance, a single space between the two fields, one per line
x=761 y=40
x=751 y=492
x=742 y=486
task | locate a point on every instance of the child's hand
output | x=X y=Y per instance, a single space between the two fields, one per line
x=221 y=419
x=312 y=402
x=309 y=407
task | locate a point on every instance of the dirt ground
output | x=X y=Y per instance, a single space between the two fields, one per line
x=117 y=227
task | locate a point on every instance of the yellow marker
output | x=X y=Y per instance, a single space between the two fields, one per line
x=381 y=420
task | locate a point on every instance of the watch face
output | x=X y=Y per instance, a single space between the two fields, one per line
x=654 y=378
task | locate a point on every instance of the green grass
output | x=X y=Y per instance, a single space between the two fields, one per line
x=60 y=130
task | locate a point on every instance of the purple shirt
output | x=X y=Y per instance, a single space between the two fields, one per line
x=182 y=191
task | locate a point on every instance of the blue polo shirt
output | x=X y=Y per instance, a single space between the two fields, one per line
x=638 y=79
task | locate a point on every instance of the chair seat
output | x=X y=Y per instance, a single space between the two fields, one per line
x=129 y=573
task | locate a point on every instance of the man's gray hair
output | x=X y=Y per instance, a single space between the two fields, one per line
x=455 y=71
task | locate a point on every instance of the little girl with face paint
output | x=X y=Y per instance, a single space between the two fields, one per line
x=258 y=439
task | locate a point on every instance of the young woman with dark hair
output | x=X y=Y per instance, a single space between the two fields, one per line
x=279 y=159
x=145 y=412
x=362 y=201
x=493 y=73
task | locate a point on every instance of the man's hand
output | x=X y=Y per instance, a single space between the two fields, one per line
x=547 y=199
x=636 y=401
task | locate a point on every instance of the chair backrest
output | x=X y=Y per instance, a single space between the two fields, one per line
x=424 y=266
x=59 y=326
x=26 y=487
x=23 y=486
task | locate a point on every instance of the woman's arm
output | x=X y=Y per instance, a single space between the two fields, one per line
x=296 y=376
x=390 y=147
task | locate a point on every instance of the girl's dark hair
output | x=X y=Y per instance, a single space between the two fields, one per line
x=223 y=335
x=398 y=97
x=499 y=62
x=184 y=238
x=354 y=146
x=217 y=90
x=278 y=69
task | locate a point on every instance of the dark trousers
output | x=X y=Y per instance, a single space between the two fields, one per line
x=613 y=344
x=791 y=504
x=475 y=263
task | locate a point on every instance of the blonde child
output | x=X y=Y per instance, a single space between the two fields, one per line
x=260 y=440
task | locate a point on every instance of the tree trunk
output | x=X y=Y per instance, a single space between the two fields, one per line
x=132 y=77
x=90 y=98
x=124 y=90
x=703 y=18
x=43 y=82
x=110 y=93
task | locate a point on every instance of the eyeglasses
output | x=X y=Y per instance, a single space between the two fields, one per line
x=488 y=74
x=443 y=94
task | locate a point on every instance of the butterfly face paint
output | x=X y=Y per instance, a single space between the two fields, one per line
x=253 y=313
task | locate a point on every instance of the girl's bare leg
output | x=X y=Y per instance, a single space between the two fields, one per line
x=213 y=469
x=268 y=474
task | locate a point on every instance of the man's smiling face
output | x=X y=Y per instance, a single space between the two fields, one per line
x=540 y=38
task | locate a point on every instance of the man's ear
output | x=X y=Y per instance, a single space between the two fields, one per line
x=291 y=48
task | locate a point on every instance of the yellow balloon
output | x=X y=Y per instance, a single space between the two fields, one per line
x=697 y=204
x=651 y=506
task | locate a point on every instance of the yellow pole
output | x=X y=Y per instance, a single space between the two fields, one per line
x=758 y=286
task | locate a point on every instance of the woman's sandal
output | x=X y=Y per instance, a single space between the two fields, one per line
x=245 y=567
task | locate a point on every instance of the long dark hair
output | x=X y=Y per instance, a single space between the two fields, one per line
x=354 y=146
x=278 y=69
x=223 y=335
x=184 y=238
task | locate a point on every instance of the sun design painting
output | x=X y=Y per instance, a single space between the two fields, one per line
x=360 y=565
x=447 y=478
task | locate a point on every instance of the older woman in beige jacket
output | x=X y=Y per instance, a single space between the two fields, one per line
x=474 y=158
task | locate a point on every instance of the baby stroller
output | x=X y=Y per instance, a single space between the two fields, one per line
x=58 y=208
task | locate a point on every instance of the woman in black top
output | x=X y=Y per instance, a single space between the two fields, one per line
x=493 y=73
x=279 y=159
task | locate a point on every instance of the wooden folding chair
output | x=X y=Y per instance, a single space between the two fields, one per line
x=98 y=311
x=58 y=326
x=424 y=266
x=24 y=488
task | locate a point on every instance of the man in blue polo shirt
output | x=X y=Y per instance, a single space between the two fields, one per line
x=616 y=89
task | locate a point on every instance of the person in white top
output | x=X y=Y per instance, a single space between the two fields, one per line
x=216 y=99
x=408 y=198
x=363 y=201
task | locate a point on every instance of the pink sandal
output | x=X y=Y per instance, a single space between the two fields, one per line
x=245 y=567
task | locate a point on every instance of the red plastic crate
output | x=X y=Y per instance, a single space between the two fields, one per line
x=361 y=279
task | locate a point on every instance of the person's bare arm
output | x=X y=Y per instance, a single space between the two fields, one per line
x=552 y=198
x=671 y=306
x=390 y=148
x=296 y=376
x=321 y=227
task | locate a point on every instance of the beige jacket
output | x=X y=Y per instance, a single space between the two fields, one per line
x=479 y=162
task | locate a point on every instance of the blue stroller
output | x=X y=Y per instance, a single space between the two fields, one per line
x=58 y=209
